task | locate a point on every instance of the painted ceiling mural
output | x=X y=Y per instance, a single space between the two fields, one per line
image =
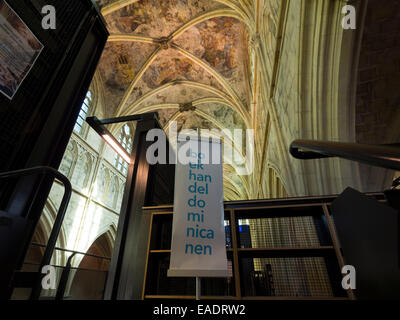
x=156 y=18
x=118 y=66
x=186 y=59
x=220 y=43
x=224 y=64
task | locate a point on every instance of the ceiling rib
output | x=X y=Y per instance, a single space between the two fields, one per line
x=136 y=80
x=134 y=106
x=119 y=4
x=195 y=103
x=219 y=125
x=187 y=25
x=116 y=5
x=203 y=17
x=240 y=107
x=172 y=119
x=130 y=37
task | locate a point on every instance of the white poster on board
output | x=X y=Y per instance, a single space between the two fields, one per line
x=198 y=233
x=19 y=49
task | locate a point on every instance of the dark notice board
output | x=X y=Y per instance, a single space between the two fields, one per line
x=369 y=235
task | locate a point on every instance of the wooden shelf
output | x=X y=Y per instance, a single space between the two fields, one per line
x=285 y=252
x=168 y=297
x=293 y=298
x=164 y=213
x=270 y=209
x=286 y=248
x=266 y=250
x=245 y=298
x=169 y=251
x=190 y=297
x=161 y=251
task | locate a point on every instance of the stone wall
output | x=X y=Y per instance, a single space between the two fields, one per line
x=378 y=89
x=378 y=94
x=286 y=98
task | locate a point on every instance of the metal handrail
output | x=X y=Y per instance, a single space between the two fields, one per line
x=62 y=285
x=64 y=279
x=35 y=294
x=63 y=267
x=385 y=156
x=72 y=251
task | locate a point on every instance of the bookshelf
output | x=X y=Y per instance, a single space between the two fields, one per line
x=276 y=250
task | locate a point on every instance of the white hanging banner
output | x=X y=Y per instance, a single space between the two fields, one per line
x=198 y=233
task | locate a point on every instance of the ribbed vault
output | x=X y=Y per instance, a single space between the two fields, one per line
x=194 y=62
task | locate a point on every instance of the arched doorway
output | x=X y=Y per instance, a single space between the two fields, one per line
x=89 y=279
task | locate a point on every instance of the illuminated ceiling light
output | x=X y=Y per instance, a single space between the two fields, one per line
x=98 y=126
x=117 y=147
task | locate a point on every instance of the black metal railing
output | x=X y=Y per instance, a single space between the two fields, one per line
x=42 y=170
x=385 y=156
x=62 y=284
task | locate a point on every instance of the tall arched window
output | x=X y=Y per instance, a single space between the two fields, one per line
x=125 y=139
x=68 y=160
x=113 y=190
x=83 y=113
x=82 y=171
x=105 y=184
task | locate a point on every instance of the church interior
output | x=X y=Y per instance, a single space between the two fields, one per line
x=286 y=70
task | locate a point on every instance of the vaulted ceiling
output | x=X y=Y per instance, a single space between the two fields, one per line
x=188 y=60
x=283 y=68
x=168 y=55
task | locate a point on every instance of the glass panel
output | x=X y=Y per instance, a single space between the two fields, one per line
x=278 y=232
x=285 y=277
x=158 y=283
x=86 y=284
x=66 y=163
x=125 y=167
x=127 y=130
x=82 y=114
x=77 y=128
x=219 y=286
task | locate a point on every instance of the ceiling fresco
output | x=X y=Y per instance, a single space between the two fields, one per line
x=118 y=66
x=185 y=59
x=168 y=67
x=155 y=18
x=218 y=42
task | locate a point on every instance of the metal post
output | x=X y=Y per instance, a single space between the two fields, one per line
x=198 y=288
x=23 y=242
x=64 y=279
